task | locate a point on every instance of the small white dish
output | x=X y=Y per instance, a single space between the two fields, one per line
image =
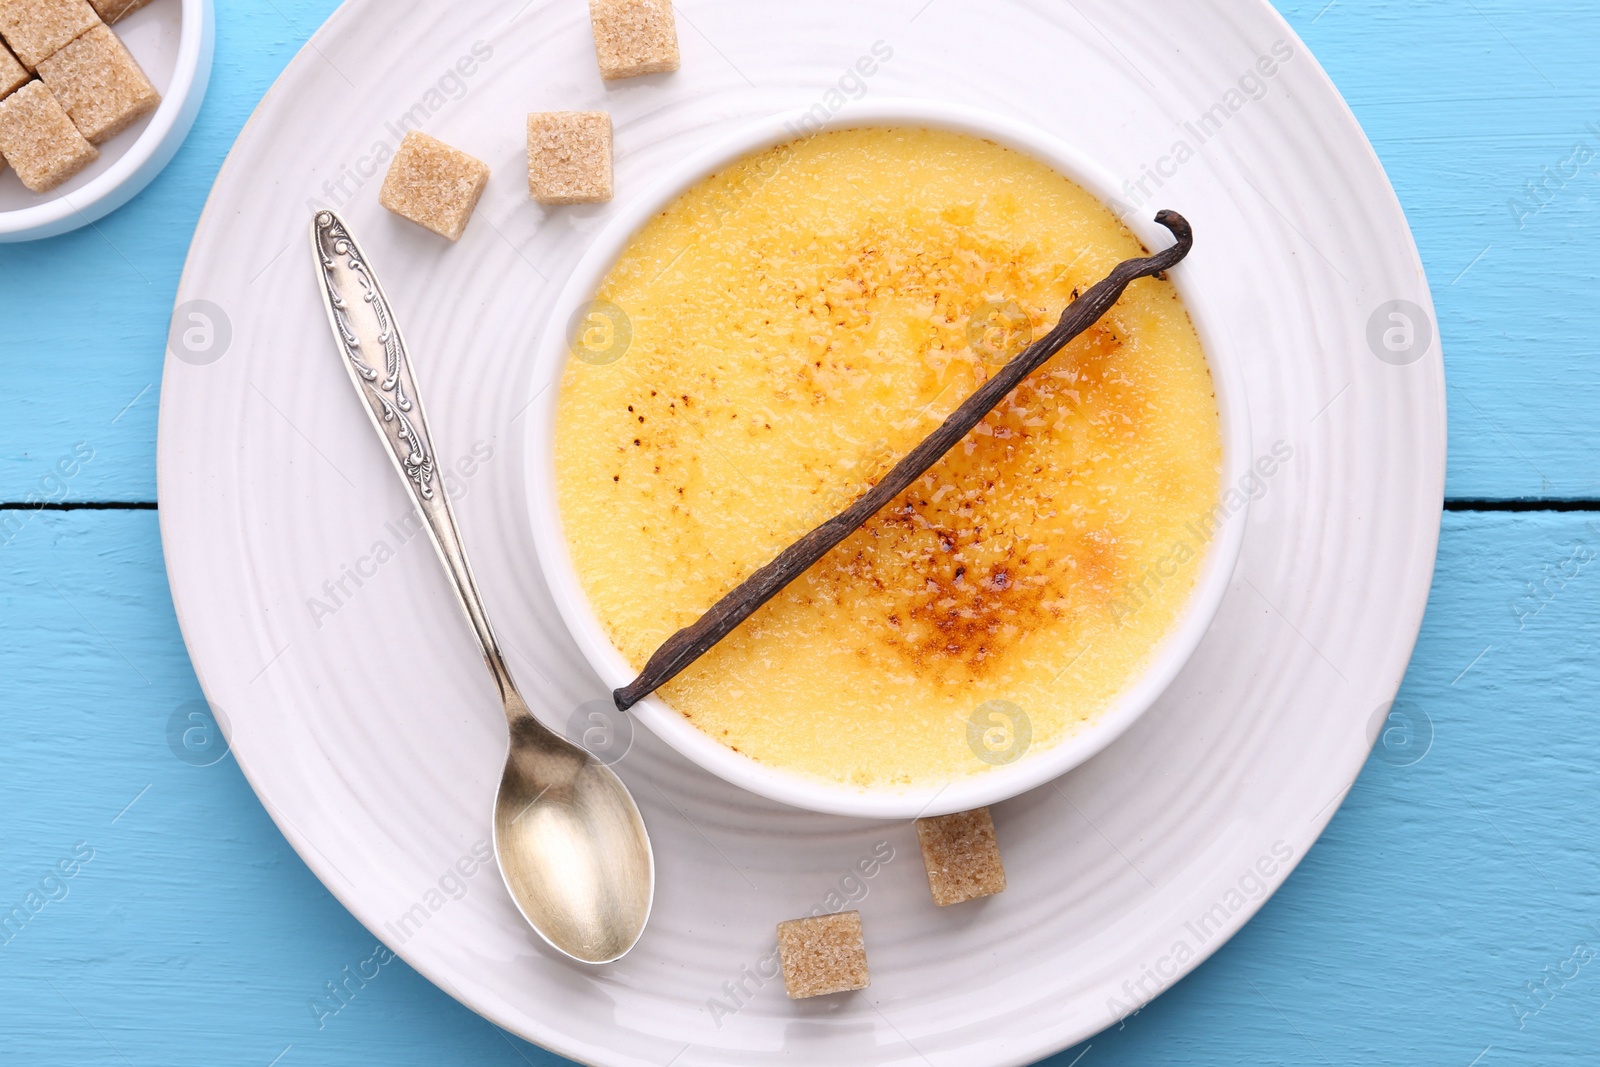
x=1038 y=767
x=173 y=41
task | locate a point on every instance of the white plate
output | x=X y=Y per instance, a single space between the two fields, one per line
x=368 y=726
x=172 y=40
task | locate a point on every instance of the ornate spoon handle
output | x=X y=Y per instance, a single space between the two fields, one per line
x=375 y=356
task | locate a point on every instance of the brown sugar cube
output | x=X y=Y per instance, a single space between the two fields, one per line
x=962 y=857
x=569 y=157
x=38 y=29
x=112 y=10
x=823 y=955
x=435 y=186
x=39 y=140
x=634 y=37
x=12 y=73
x=99 y=84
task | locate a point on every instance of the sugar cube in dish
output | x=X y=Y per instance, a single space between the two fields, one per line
x=100 y=84
x=112 y=10
x=39 y=140
x=38 y=29
x=13 y=75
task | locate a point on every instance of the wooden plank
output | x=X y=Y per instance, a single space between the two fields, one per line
x=85 y=315
x=195 y=935
x=1457 y=871
x=1465 y=104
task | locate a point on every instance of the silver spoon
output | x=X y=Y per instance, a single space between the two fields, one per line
x=572 y=847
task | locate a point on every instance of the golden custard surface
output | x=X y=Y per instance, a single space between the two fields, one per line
x=793 y=326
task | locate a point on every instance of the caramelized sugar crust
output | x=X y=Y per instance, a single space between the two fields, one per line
x=982 y=551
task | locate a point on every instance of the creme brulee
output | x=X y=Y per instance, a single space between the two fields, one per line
x=793 y=326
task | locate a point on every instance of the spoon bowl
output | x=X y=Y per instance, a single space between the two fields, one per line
x=572 y=847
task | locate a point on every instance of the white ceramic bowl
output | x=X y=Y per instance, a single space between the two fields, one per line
x=1044 y=763
x=172 y=40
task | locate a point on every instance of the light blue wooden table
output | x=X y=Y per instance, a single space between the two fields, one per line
x=1450 y=915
